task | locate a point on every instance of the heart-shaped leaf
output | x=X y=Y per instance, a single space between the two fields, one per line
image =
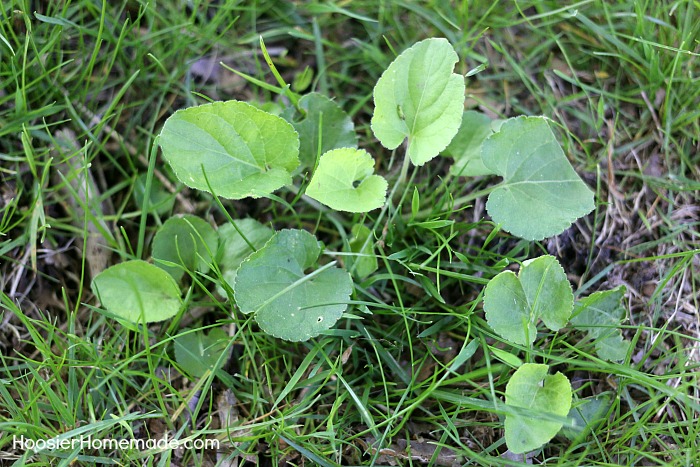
x=600 y=314
x=234 y=249
x=287 y=302
x=189 y=241
x=138 y=292
x=325 y=118
x=344 y=181
x=465 y=147
x=533 y=389
x=514 y=304
x=541 y=194
x=243 y=151
x=420 y=98
x=197 y=352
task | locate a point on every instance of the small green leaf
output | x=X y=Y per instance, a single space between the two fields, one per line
x=336 y=127
x=138 y=291
x=420 y=98
x=600 y=314
x=465 y=148
x=287 y=302
x=532 y=388
x=541 y=194
x=234 y=249
x=514 y=304
x=344 y=181
x=197 y=352
x=243 y=151
x=362 y=243
x=188 y=241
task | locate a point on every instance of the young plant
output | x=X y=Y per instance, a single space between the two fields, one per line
x=235 y=150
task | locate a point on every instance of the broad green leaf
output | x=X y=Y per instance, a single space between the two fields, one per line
x=243 y=151
x=234 y=249
x=541 y=194
x=362 y=243
x=287 y=302
x=188 y=241
x=600 y=314
x=533 y=389
x=197 y=352
x=514 y=304
x=344 y=181
x=420 y=98
x=465 y=148
x=324 y=115
x=138 y=291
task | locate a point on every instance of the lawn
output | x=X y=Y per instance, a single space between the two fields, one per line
x=413 y=345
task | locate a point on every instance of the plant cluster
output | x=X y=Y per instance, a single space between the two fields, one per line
x=236 y=150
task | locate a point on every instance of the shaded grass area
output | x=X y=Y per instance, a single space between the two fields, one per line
x=86 y=86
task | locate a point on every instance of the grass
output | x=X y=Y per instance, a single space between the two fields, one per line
x=86 y=85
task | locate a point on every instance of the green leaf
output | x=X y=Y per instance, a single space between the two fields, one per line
x=336 y=127
x=362 y=243
x=541 y=194
x=188 y=241
x=420 y=98
x=344 y=181
x=197 y=352
x=243 y=151
x=600 y=314
x=138 y=291
x=234 y=249
x=287 y=302
x=532 y=388
x=465 y=148
x=514 y=304
x=159 y=201
x=586 y=416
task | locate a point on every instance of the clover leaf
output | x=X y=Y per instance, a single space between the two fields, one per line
x=325 y=119
x=541 y=194
x=545 y=397
x=420 y=98
x=243 y=151
x=514 y=304
x=600 y=314
x=287 y=302
x=138 y=292
x=344 y=181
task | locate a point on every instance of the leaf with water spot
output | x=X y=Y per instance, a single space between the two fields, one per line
x=420 y=98
x=288 y=302
x=242 y=150
x=541 y=194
